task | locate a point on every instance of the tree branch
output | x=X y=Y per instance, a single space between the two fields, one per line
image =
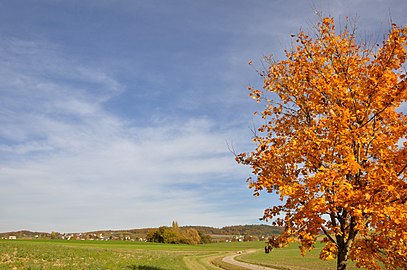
x=402 y=170
x=328 y=235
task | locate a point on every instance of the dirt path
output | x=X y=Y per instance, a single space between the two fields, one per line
x=201 y=262
x=231 y=260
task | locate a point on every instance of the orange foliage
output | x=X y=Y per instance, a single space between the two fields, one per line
x=333 y=146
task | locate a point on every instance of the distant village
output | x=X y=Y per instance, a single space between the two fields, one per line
x=121 y=237
x=74 y=236
x=239 y=233
x=100 y=236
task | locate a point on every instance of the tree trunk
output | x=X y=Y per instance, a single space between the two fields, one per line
x=342 y=258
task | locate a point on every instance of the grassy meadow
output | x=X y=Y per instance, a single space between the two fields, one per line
x=62 y=254
x=289 y=258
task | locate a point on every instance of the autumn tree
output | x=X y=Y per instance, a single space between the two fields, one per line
x=174 y=235
x=333 y=145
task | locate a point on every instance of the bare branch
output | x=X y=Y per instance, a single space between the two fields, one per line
x=327 y=234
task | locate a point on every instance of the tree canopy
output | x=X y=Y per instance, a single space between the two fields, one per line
x=333 y=145
x=176 y=235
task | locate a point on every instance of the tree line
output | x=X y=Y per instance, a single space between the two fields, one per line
x=177 y=235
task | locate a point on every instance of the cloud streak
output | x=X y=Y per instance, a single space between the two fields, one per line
x=66 y=158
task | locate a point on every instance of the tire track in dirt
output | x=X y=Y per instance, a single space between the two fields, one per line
x=231 y=260
x=201 y=262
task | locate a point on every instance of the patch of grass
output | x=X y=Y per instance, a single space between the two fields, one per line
x=290 y=258
x=199 y=261
x=67 y=255
x=143 y=267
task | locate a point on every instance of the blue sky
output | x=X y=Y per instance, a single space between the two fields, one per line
x=117 y=114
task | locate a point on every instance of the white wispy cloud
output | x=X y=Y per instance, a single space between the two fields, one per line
x=69 y=161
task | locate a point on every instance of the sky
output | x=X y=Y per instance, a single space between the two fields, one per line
x=122 y=114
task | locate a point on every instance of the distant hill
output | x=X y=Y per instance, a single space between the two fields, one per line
x=255 y=230
x=25 y=234
x=224 y=233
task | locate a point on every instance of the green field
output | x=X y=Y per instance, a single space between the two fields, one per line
x=60 y=254
x=290 y=258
